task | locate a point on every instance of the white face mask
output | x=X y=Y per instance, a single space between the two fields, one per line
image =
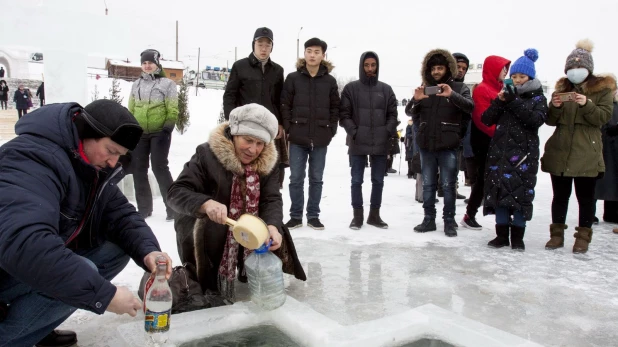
x=577 y=76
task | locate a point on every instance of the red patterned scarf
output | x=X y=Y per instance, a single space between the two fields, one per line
x=245 y=198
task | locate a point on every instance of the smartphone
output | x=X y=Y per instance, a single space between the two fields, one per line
x=508 y=82
x=433 y=90
x=565 y=97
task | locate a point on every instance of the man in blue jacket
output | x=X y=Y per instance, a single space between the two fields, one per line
x=66 y=228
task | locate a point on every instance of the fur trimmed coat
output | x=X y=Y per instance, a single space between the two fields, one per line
x=208 y=175
x=575 y=149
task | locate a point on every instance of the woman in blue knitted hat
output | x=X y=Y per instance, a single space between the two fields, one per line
x=513 y=158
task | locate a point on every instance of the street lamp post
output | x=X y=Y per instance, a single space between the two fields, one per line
x=298 y=44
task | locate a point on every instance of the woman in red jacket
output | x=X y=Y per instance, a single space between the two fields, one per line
x=495 y=69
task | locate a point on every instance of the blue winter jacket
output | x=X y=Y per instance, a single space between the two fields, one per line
x=50 y=195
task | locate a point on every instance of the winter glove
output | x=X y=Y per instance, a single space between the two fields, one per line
x=510 y=94
x=402 y=139
x=612 y=130
x=168 y=129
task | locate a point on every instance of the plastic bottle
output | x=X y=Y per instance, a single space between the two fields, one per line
x=158 y=305
x=265 y=275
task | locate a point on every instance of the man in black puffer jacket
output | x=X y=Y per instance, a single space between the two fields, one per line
x=439 y=121
x=369 y=116
x=67 y=229
x=310 y=109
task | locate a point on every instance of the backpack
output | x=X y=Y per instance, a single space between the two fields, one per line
x=187 y=294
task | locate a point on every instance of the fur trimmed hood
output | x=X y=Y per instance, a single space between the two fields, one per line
x=452 y=65
x=594 y=84
x=223 y=148
x=301 y=63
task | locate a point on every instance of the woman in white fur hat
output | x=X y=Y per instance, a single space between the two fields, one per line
x=235 y=172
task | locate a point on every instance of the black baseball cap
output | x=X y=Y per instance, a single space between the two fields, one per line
x=263 y=32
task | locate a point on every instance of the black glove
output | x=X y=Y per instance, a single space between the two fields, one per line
x=510 y=93
x=612 y=130
x=168 y=129
x=402 y=139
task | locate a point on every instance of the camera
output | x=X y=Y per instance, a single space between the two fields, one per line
x=565 y=97
x=433 y=90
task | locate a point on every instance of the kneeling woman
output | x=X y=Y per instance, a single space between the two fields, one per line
x=235 y=172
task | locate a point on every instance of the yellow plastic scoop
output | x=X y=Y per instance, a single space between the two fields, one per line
x=250 y=231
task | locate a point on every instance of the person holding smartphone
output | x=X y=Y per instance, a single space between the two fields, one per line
x=513 y=157
x=440 y=110
x=574 y=153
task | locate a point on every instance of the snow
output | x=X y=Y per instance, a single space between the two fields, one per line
x=554 y=298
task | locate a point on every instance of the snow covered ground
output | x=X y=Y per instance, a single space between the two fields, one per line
x=554 y=298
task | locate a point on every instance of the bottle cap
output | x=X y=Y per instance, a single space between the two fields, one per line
x=264 y=248
x=161 y=260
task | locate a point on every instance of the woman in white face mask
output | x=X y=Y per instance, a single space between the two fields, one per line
x=581 y=104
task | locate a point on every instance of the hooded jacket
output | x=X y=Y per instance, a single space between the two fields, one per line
x=310 y=105
x=368 y=113
x=154 y=103
x=248 y=84
x=441 y=122
x=209 y=176
x=575 y=149
x=484 y=93
x=51 y=195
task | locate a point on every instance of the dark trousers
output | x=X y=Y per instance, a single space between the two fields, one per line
x=4 y=105
x=378 y=168
x=22 y=112
x=42 y=102
x=478 y=188
x=33 y=314
x=471 y=170
x=584 y=191
x=155 y=147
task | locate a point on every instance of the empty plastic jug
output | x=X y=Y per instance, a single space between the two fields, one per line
x=265 y=275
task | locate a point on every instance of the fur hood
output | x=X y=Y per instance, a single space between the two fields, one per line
x=594 y=84
x=223 y=148
x=452 y=64
x=301 y=62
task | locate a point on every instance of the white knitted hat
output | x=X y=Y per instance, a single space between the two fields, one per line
x=254 y=120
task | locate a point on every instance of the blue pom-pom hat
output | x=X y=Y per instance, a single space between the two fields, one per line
x=525 y=64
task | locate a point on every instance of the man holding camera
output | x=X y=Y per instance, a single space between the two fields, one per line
x=441 y=107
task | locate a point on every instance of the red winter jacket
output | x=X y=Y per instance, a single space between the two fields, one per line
x=488 y=90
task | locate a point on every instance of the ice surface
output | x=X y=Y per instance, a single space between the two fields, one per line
x=260 y=336
x=554 y=298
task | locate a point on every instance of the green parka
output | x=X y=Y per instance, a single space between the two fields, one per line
x=575 y=148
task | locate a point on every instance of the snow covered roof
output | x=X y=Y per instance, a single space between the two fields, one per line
x=167 y=64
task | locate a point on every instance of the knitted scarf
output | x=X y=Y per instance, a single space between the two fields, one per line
x=245 y=198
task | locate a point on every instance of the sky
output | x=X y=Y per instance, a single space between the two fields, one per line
x=401 y=32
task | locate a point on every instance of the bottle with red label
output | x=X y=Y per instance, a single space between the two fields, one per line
x=158 y=304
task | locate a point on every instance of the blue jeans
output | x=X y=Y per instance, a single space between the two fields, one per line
x=378 y=169
x=446 y=160
x=32 y=315
x=503 y=217
x=298 y=165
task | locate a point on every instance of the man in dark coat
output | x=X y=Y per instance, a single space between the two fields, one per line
x=369 y=116
x=257 y=79
x=439 y=124
x=310 y=109
x=1 y=71
x=67 y=229
x=40 y=92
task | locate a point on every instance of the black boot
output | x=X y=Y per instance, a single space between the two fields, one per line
x=517 y=238
x=58 y=338
x=502 y=238
x=375 y=220
x=429 y=224
x=357 y=222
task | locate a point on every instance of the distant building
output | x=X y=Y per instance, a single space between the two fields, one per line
x=130 y=71
x=475 y=76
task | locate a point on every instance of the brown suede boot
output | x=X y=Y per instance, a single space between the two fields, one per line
x=583 y=236
x=556 y=232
